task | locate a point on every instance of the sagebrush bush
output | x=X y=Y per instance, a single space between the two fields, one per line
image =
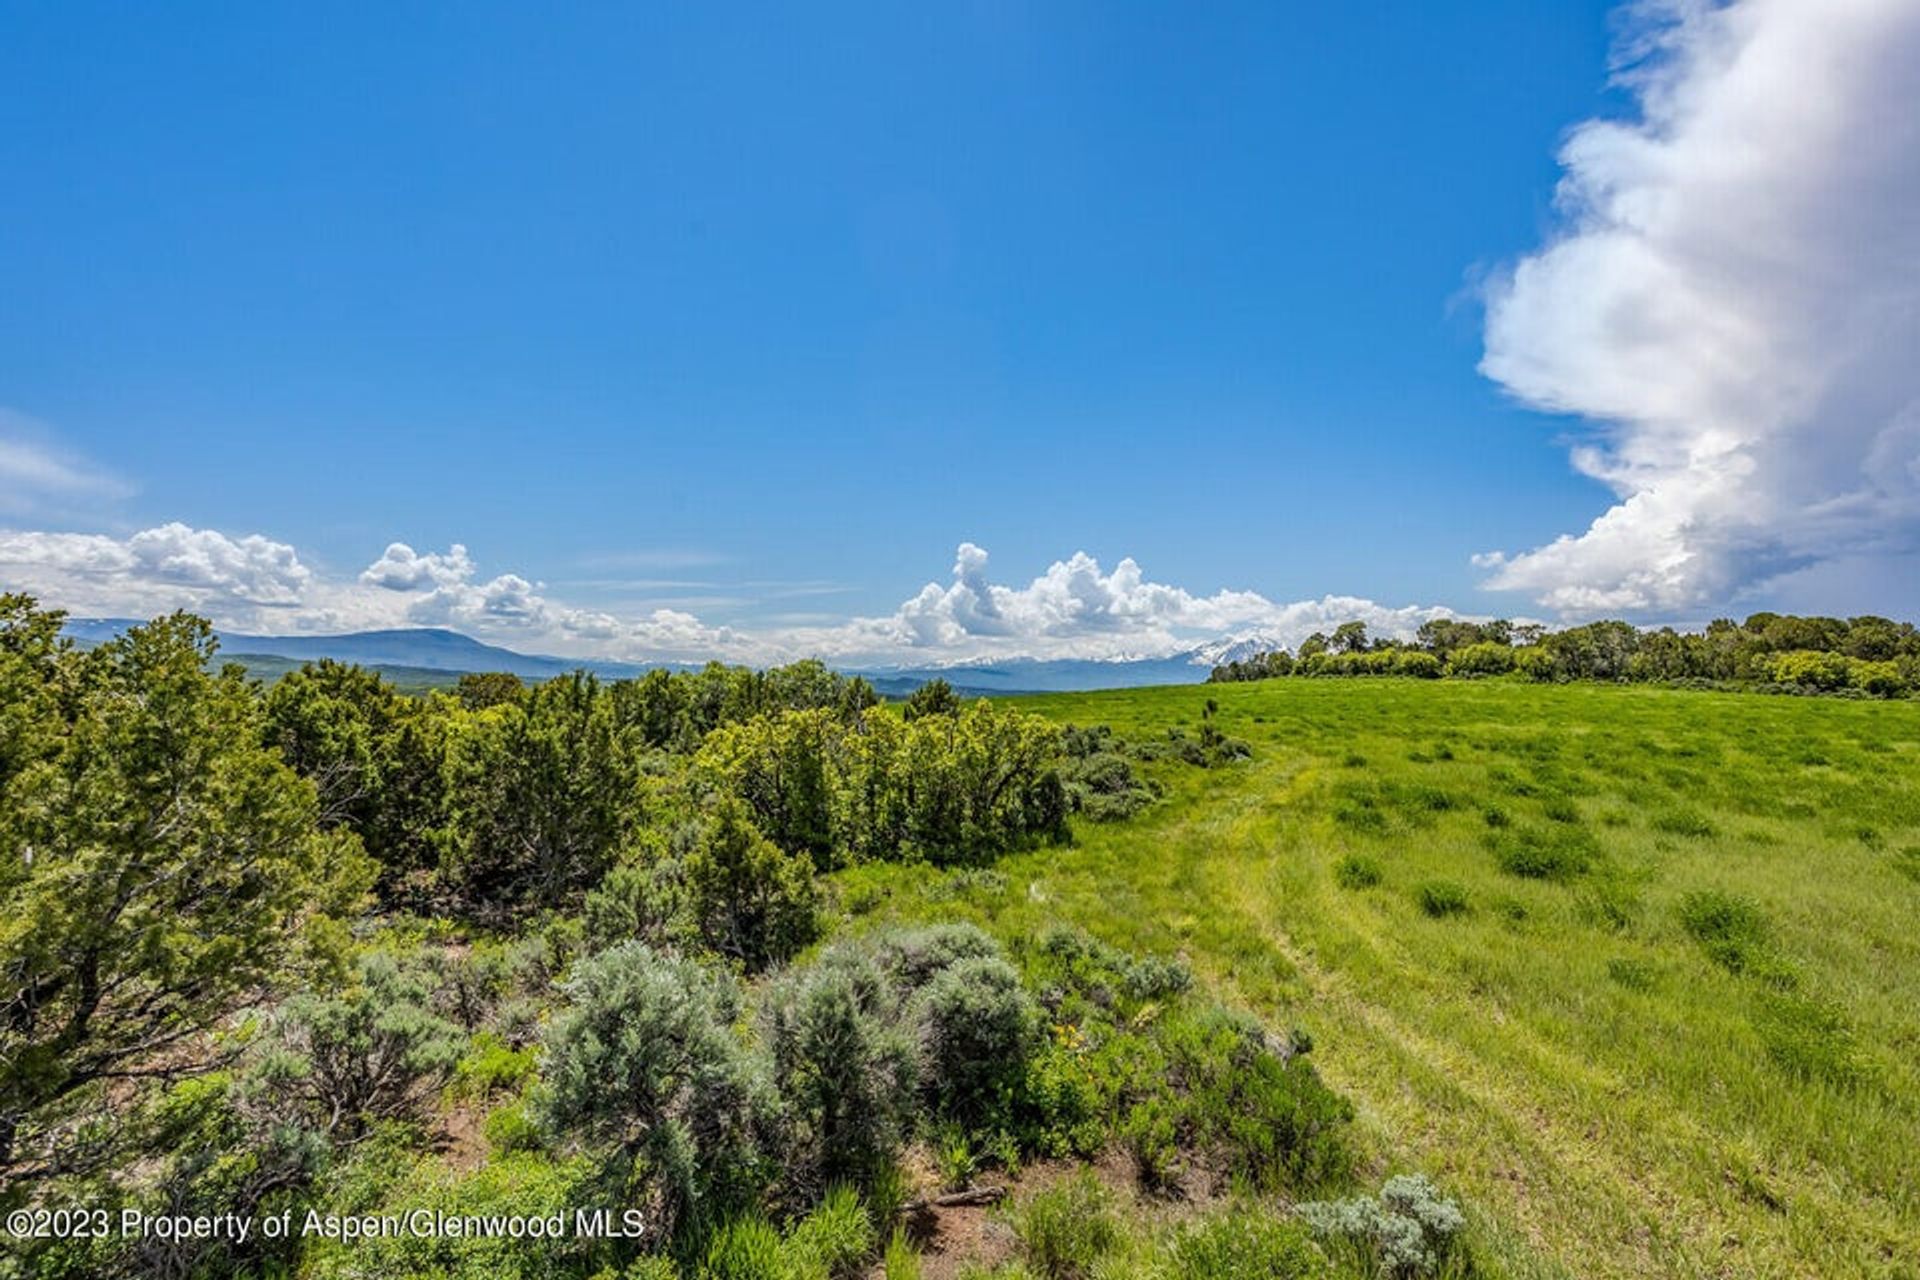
x=911 y=958
x=976 y=1026
x=1410 y=1230
x=373 y=1052
x=1081 y=961
x=645 y=1063
x=846 y=1073
x=1065 y=1228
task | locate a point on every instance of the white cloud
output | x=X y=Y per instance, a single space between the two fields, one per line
x=1735 y=303
x=1075 y=609
x=401 y=568
x=156 y=570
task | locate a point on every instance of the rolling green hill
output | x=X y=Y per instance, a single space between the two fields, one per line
x=1637 y=971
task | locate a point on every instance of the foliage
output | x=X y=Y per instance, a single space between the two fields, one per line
x=523 y=1187
x=751 y=901
x=1064 y=1229
x=645 y=1063
x=835 y=1238
x=934 y=698
x=976 y=1027
x=1864 y=656
x=1409 y=1230
x=1245 y=1243
x=158 y=870
x=847 y=1075
x=1104 y=786
x=371 y=1053
x=543 y=791
x=947 y=788
x=374 y=757
x=1357 y=871
x=1730 y=929
x=1441 y=898
x=900 y=1262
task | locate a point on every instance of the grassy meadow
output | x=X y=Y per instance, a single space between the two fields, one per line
x=1634 y=971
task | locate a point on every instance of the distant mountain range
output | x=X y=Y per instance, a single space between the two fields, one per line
x=427 y=656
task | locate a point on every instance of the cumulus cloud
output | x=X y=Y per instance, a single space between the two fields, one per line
x=168 y=567
x=1734 y=304
x=1077 y=609
x=401 y=568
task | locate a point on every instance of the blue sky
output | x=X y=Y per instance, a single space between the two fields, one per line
x=754 y=313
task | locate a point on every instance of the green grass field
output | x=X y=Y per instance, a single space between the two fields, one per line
x=1635 y=971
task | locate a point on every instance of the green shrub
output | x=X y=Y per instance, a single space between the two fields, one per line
x=835 y=1238
x=847 y=1075
x=1255 y=1103
x=1440 y=898
x=900 y=1262
x=490 y=1066
x=753 y=901
x=645 y=1062
x=1244 y=1244
x=1151 y=1133
x=1542 y=855
x=953 y=1157
x=374 y=1052
x=644 y=900
x=1683 y=822
x=976 y=1028
x=509 y=1129
x=519 y=1186
x=912 y=958
x=1357 y=871
x=746 y=1249
x=1409 y=1230
x=1085 y=964
x=1104 y=787
x=1064 y=1229
x=1730 y=929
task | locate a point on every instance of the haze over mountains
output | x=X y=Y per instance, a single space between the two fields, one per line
x=430 y=650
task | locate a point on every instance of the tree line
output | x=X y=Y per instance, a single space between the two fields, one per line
x=1865 y=656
